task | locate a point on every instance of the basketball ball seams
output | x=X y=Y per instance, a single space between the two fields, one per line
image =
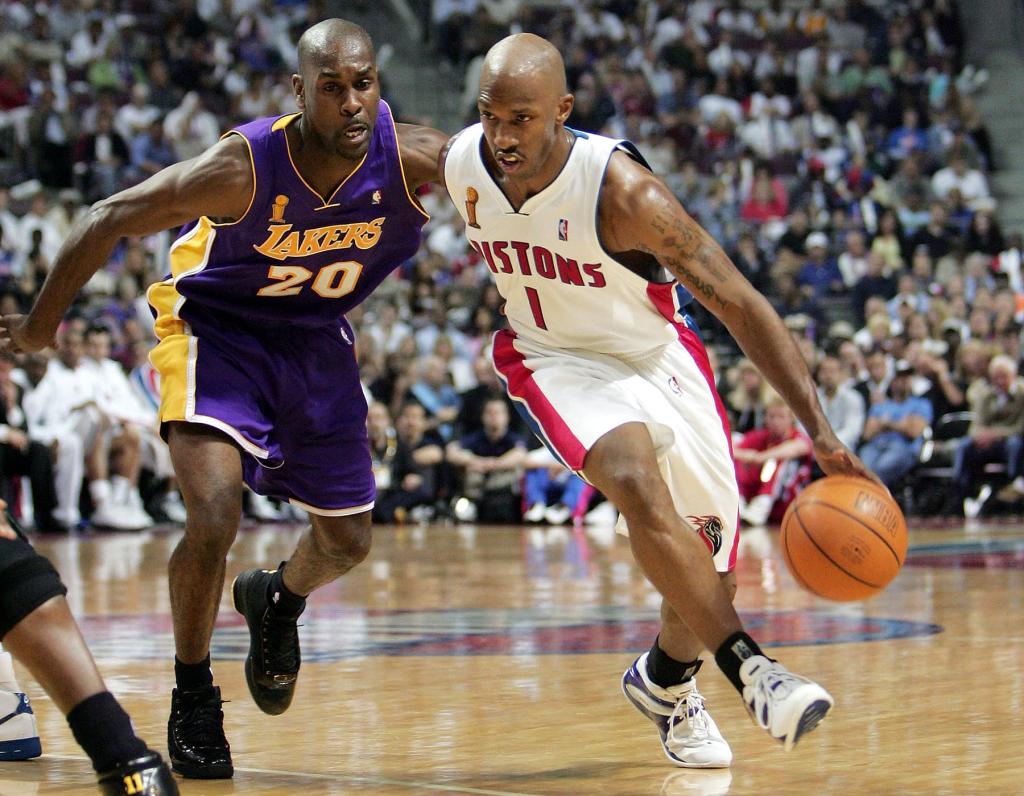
x=836 y=564
x=791 y=566
x=860 y=522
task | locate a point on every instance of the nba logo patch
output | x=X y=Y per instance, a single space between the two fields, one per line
x=563 y=229
x=377 y=197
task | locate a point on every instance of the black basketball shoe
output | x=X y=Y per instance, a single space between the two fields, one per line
x=272 y=666
x=144 y=776
x=195 y=735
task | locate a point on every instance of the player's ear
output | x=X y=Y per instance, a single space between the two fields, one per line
x=565 y=108
x=300 y=92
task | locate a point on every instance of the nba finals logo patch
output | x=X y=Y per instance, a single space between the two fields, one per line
x=472 y=197
x=377 y=197
x=277 y=209
x=709 y=528
x=563 y=229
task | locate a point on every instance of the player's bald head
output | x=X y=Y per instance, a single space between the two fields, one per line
x=333 y=39
x=527 y=63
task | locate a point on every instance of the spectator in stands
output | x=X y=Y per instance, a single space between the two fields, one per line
x=909 y=138
x=892 y=432
x=120 y=403
x=134 y=118
x=414 y=470
x=101 y=159
x=20 y=455
x=52 y=132
x=553 y=493
x=491 y=462
x=971 y=183
x=472 y=401
x=767 y=200
x=383 y=444
x=773 y=463
x=984 y=235
x=995 y=434
x=747 y=401
x=853 y=262
x=889 y=241
x=191 y=128
x=874 y=283
x=152 y=151
x=843 y=406
x=820 y=274
x=437 y=397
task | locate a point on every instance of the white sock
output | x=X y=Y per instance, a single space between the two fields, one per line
x=99 y=491
x=7 y=679
x=121 y=489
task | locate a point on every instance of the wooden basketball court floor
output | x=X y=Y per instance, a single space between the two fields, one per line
x=473 y=660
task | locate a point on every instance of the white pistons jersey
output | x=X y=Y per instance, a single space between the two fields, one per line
x=561 y=288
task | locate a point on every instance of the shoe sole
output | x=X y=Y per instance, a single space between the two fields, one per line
x=671 y=758
x=193 y=771
x=21 y=749
x=812 y=716
x=272 y=706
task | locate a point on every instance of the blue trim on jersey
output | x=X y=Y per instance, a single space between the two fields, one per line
x=685 y=298
x=531 y=422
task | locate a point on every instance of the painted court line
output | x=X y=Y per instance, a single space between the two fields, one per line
x=355 y=780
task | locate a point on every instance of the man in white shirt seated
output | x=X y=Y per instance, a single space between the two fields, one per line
x=62 y=406
x=124 y=406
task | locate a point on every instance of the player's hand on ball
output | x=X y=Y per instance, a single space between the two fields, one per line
x=835 y=458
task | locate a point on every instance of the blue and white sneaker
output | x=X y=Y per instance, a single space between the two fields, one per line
x=19 y=737
x=785 y=704
x=689 y=736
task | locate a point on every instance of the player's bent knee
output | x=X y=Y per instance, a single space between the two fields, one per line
x=344 y=539
x=27 y=581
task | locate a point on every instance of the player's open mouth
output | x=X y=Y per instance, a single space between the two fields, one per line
x=356 y=133
x=509 y=162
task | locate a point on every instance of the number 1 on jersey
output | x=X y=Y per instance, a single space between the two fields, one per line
x=538 y=315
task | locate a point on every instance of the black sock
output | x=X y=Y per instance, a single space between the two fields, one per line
x=193 y=676
x=730 y=656
x=283 y=602
x=666 y=671
x=104 y=731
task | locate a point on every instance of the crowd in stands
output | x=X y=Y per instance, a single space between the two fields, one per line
x=835 y=150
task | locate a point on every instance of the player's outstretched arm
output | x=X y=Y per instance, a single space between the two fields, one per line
x=218 y=183
x=420 y=147
x=638 y=212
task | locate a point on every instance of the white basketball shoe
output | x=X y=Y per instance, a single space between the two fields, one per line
x=689 y=736
x=19 y=736
x=785 y=704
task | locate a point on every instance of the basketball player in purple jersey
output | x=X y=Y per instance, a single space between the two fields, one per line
x=607 y=367
x=291 y=222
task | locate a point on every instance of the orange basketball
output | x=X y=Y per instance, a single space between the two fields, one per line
x=844 y=538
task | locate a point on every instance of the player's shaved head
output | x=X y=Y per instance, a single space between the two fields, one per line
x=323 y=43
x=532 y=65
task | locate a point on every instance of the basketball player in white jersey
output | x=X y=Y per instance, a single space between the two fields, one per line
x=610 y=372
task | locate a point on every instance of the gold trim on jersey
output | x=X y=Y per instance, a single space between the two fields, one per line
x=398 y=150
x=173 y=358
x=252 y=166
x=283 y=123
x=189 y=255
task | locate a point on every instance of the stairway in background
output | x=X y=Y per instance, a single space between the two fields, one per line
x=414 y=79
x=995 y=40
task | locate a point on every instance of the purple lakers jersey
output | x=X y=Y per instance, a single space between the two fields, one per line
x=295 y=257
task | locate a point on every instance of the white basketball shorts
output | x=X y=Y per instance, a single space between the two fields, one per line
x=573 y=398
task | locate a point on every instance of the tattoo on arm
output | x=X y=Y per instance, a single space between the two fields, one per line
x=684 y=243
